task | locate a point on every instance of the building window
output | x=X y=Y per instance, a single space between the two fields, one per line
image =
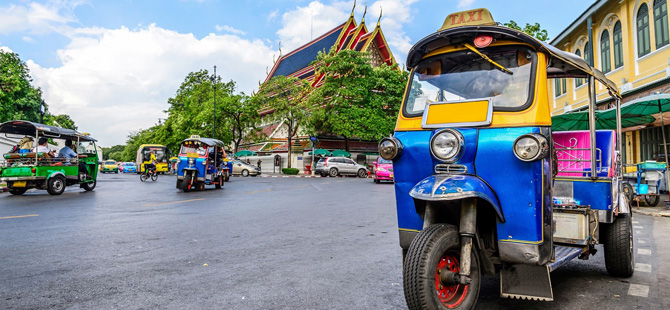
x=605 y=59
x=559 y=86
x=578 y=81
x=618 y=45
x=643 y=45
x=661 y=23
x=587 y=55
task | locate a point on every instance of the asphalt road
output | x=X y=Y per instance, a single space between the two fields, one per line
x=258 y=243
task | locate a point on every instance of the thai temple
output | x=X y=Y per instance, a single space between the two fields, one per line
x=347 y=36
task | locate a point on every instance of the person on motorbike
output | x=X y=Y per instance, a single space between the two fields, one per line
x=150 y=162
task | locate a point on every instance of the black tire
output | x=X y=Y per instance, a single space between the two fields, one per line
x=627 y=190
x=143 y=176
x=186 y=184
x=652 y=200
x=17 y=191
x=438 y=247
x=323 y=174
x=227 y=178
x=218 y=184
x=89 y=186
x=154 y=177
x=377 y=181
x=245 y=173
x=332 y=172
x=362 y=173
x=56 y=185
x=618 y=241
x=117 y=171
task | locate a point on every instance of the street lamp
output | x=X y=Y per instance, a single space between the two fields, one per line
x=42 y=113
x=214 y=125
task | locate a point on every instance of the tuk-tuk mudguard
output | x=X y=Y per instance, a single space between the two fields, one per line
x=455 y=187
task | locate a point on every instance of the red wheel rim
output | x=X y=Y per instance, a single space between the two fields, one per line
x=451 y=296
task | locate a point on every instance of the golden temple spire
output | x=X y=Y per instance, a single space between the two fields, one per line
x=366 y=11
x=352 y=9
x=380 y=16
x=279 y=49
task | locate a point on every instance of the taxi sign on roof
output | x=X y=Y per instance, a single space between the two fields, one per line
x=195 y=137
x=476 y=17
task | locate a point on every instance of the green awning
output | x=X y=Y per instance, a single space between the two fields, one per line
x=604 y=120
x=341 y=153
x=245 y=153
x=320 y=152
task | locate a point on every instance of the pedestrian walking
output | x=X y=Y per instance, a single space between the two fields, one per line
x=248 y=161
x=259 y=163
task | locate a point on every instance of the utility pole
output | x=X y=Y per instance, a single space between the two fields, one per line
x=214 y=126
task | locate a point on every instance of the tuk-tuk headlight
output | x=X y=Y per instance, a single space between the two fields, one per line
x=531 y=147
x=390 y=148
x=191 y=161
x=447 y=145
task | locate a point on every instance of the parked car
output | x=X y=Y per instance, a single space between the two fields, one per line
x=383 y=170
x=109 y=166
x=244 y=169
x=128 y=168
x=334 y=166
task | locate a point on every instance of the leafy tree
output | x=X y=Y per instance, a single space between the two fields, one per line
x=356 y=99
x=18 y=99
x=287 y=98
x=62 y=121
x=534 y=30
x=241 y=115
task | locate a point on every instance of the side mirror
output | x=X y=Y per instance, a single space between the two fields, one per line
x=374 y=163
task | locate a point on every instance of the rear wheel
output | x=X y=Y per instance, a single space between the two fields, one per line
x=219 y=182
x=619 y=255
x=652 y=200
x=627 y=190
x=245 y=173
x=332 y=172
x=362 y=173
x=432 y=261
x=17 y=191
x=89 y=186
x=56 y=185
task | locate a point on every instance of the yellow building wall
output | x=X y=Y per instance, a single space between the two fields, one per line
x=635 y=72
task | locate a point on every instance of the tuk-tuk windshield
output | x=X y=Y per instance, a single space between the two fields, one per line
x=193 y=147
x=465 y=75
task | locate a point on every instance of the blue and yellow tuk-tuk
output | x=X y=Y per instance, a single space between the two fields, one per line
x=478 y=185
x=200 y=163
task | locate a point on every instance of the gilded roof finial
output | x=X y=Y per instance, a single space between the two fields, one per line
x=352 y=9
x=273 y=59
x=366 y=10
x=266 y=70
x=380 y=16
x=279 y=49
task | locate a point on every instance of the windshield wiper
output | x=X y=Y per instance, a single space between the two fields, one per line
x=501 y=68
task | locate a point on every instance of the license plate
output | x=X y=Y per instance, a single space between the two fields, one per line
x=19 y=184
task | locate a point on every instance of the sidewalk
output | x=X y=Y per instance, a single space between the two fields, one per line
x=280 y=175
x=658 y=210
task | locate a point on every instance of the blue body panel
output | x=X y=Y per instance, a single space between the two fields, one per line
x=515 y=185
x=598 y=195
x=197 y=165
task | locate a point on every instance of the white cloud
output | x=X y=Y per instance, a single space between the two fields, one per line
x=229 y=29
x=28 y=39
x=36 y=18
x=6 y=49
x=465 y=3
x=271 y=17
x=113 y=81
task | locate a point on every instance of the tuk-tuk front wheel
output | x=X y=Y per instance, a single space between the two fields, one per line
x=219 y=182
x=652 y=200
x=56 y=185
x=430 y=271
x=187 y=183
x=618 y=241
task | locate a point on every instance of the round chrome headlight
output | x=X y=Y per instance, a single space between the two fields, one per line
x=447 y=145
x=531 y=147
x=390 y=148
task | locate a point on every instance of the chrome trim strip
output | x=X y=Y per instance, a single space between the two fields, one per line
x=451 y=169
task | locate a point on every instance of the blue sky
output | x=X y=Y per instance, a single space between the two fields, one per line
x=113 y=64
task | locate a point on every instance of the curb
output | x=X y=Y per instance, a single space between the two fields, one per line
x=656 y=214
x=303 y=176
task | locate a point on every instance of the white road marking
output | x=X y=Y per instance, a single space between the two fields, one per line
x=642 y=267
x=641 y=241
x=637 y=227
x=636 y=222
x=644 y=251
x=637 y=232
x=638 y=290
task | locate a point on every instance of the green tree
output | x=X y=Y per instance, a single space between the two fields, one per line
x=62 y=121
x=115 y=152
x=532 y=29
x=356 y=99
x=287 y=98
x=242 y=118
x=19 y=100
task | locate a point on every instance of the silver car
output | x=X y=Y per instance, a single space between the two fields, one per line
x=244 y=169
x=334 y=166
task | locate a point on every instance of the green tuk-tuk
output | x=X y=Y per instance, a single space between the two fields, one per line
x=44 y=168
